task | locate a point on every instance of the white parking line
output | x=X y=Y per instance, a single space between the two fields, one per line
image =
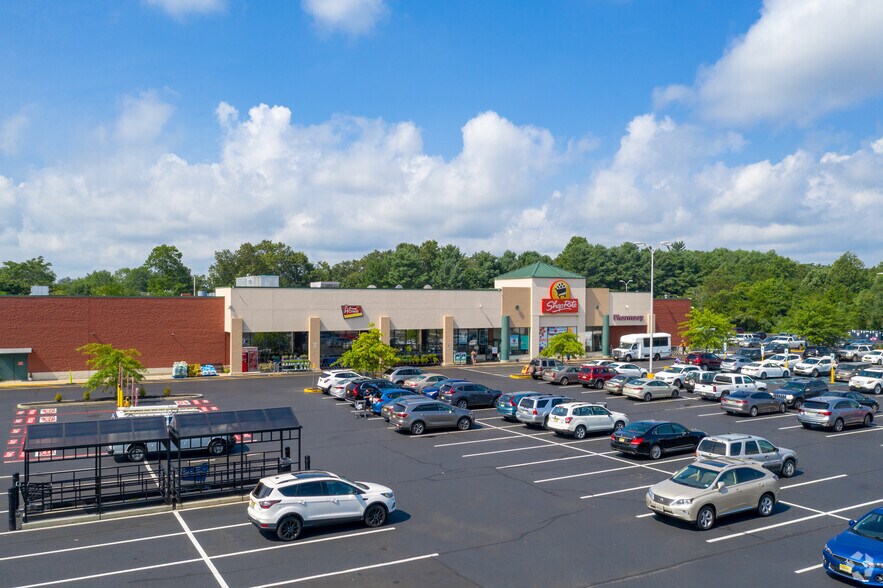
x=349 y=571
x=809 y=569
x=615 y=492
x=115 y=573
x=643 y=516
x=535 y=435
x=542 y=461
x=201 y=551
x=790 y=427
x=870 y=429
x=815 y=510
x=814 y=481
x=619 y=469
x=533 y=447
x=751 y=419
x=795 y=521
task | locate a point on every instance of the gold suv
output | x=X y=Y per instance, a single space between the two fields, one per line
x=711 y=488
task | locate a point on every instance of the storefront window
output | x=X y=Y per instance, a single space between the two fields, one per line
x=519 y=340
x=277 y=346
x=334 y=344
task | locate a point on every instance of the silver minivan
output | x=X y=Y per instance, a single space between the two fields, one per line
x=534 y=411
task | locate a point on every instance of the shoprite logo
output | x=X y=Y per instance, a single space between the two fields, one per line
x=553 y=306
x=351 y=310
x=559 y=290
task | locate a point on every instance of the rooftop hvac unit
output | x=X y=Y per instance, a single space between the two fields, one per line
x=324 y=284
x=258 y=282
x=39 y=290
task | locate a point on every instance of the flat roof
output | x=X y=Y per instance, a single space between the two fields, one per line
x=78 y=434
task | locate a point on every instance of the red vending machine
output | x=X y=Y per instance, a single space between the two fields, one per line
x=249 y=359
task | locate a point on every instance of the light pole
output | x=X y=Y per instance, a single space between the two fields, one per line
x=626 y=284
x=651 y=327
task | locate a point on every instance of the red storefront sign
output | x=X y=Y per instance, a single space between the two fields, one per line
x=351 y=310
x=553 y=306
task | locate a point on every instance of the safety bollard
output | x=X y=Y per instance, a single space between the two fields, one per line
x=307 y=462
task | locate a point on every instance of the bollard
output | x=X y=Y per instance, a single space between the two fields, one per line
x=307 y=462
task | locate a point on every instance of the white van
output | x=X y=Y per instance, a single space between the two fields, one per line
x=638 y=346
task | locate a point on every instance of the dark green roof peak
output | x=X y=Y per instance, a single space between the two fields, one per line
x=540 y=270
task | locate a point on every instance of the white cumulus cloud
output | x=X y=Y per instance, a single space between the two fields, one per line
x=11 y=131
x=354 y=17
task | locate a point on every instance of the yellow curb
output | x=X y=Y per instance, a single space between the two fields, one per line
x=519 y=376
x=313 y=390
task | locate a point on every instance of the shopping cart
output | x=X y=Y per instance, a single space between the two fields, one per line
x=363 y=409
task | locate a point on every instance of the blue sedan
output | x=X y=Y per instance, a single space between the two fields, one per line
x=857 y=552
x=432 y=391
x=388 y=394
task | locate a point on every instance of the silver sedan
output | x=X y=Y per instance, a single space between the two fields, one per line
x=751 y=403
x=646 y=389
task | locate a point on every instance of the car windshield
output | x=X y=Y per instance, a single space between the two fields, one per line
x=559 y=411
x=815 y=405
x=695 y=477
x=640 y=427
x=669 y=368
x=793 y=386
x=715 y=447
x=740 y=394
x=354 y=483
x=811 y=361
x=870 y=525
x=261 y=491
x=871 y=373
x=753 y=364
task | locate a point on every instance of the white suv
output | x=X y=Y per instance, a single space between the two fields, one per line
x=578 y=418
x=332 y=377
x=875 y=356
x=674 y=375
x=869 y=380
x=287 y=503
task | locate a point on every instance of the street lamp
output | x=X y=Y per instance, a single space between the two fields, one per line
x=626 y=284
x=651 y=327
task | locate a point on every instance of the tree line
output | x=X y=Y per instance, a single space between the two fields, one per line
x=759 y=291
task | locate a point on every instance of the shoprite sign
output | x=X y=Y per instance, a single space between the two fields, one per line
x=351 y=310
x=555 y=306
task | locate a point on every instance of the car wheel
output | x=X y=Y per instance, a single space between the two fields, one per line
x=647 y=397
x=788 y=468
x=579 y=432
x=628 y=358
x=753 y=411
x=136 y=452
x=599 y=384
x=675 y=393
x=705 y=518
x=676 y=383
x=417 y=428
x=867 y=421
x=655 y=357
x=875 y=407
x=461 y=403
x=375 y=515
x=464 y=423
x=786 y=373
x=546 y=423
x=618 y=425
x=877 y=389
x=763 y=375
x=782 y=408
x=766 y=504
x=838 y=425
x=806 y=425
x=585 y=385
x=217 y=447
x=655 y=452
x=289 y=528
x=815 y=373
x=564 y=381
x=798 y=404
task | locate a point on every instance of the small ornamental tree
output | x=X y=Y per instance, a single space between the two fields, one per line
x=706 y=329
x=563 y=345
x=106 y=360
x=368 y=353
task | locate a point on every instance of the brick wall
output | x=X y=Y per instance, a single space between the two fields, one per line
x=164 y=330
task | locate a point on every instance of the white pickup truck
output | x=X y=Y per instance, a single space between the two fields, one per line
x=725 y=384
x=789 y=342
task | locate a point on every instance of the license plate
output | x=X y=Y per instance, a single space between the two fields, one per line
x=556 y=419
x=251 y=503
x=622 y=439
x=845 y=568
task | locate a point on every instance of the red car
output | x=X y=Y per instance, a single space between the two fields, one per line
x=707 y=361
x=595 y=375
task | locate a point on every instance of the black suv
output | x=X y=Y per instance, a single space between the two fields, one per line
x=467 y=394
x=818 y=351
x=359 y=389
x=795 y=392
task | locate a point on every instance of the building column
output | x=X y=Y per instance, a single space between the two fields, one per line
x=235 y=345
x=384 y=326
x=314 y=342
x=605 y=335
x=504 y=337
x=448 y=340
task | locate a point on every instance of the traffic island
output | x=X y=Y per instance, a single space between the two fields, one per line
x=312 y=390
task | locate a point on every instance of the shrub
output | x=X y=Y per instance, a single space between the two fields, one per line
x=142 y=392
x=58 y=397
x=226 y=369
x=87 y=395
x=167 y=391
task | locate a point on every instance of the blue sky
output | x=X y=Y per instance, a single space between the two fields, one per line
x=343 y=126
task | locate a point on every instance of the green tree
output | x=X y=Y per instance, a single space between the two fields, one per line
x=167 y=274
x=17 y=278
x=265 y=258
x=407 y=267
x=564 y=345
x=818 y=320
x=134 y=280
x=368 y=353
x=447 y=268
x=106 y=360
x=849 y=271
x=706 y=329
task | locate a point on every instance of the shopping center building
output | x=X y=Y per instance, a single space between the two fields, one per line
x=512 y=321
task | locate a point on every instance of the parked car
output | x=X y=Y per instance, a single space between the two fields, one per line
x=418 y=382
x=595 y=375
x=846 y=371
x=813 y=366
x=769 y=349
x=707 y=361
x=534 y=411
x=741 y=446
x=796 y=392
x=734 y=363
x=676 y=374
x=858 y=397
x=418 y=416
x=852 y=351
x=286 y=503
x=561 y=375
x=432 y=390
x=750 y=341
x=751 y=403
x=386 y=410
x=818 y=351
x=833 y=413
x=655 y=438
x=338 y=387
x=725 y=384
x=786 y=360
x=578 y=418
x=399 y=374
x=693 y=379
x=367 y=387
x=598 y=362
x=708 y=489
x=752 y=353
x=856 y=553
x=765 y=369
x=507 y=404
x=330 y=377
x=869 y=380
x=466 y=394
x=790 y=341
x=628 y=369
x=536 y=366
x=644 y=389
x=387 y=396
x=614 y=385
x=875 y=356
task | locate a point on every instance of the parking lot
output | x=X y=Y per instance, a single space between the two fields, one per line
x=497 y=505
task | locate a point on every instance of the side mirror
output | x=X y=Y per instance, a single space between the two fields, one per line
x=720 y=486
x=851 y=522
